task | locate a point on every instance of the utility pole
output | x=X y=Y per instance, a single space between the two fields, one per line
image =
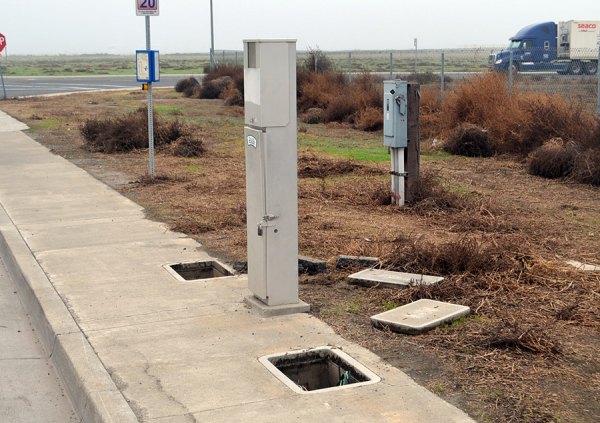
x=415 y=71
x=212 y=39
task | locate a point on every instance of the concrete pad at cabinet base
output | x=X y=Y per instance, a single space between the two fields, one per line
x=420 y=316
x=389 y=279
x=279 y=310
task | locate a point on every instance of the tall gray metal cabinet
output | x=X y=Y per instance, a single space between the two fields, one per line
x=271 y=170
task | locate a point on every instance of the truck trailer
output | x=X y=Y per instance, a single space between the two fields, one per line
x=569 y=47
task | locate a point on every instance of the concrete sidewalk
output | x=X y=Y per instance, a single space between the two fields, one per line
x=132 y=343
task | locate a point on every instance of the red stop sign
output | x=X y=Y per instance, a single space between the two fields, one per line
x=2 y=42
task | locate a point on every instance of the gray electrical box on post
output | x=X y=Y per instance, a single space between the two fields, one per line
x=395 y=114
x=271 y=174
x=395 y=134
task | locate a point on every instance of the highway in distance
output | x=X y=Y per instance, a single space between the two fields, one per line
x=23 y=86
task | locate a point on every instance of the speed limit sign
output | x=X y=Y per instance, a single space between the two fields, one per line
x=146 y=7
x=2 y=42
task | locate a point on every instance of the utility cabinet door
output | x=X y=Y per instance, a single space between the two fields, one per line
x=281 y=181
x=255 y=145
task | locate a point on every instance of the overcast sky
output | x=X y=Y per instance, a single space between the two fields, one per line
x=110 y=26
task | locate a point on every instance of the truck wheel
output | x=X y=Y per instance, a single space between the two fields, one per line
x=591 y=68
x=576 y=68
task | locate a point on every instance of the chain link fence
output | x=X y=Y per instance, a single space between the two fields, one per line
x=543 y=71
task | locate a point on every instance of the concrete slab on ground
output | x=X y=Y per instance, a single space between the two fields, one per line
x=265 y=310
x=583 y=266
x=419 y=316
x=390 y=279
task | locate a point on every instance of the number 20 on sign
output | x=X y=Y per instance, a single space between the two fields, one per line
x=146 y=7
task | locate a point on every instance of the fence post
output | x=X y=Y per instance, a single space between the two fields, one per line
x=350 y=66
x=416 y=50
x=391 y=66
x=598 y=94
x=443 y=79
x=3 y=86
x=510 y=74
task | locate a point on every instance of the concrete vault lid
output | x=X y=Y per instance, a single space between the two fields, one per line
x=419 y=316
x=390 y=279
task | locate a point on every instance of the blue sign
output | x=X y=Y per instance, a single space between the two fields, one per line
x=147 y=66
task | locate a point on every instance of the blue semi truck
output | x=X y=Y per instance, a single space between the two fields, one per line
x=569 y=47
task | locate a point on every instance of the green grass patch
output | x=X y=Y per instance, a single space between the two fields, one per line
x=168 y=110
x=389 y=305
x=462 y=321
x=194 y=169
x=360 y=146
x=360 y=154
x=438 y=388
x=36 y=125
x=366 y=150
x=353 y=307
x=459 y=189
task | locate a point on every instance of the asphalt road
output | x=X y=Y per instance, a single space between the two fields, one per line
x=41 y=85
x=30 y=391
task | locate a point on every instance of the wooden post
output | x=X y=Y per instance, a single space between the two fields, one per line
x=411 y=159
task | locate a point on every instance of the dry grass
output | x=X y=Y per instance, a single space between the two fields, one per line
x=319 y=89
x=587 y=167
x=480 y=118
x=129 y=132
x=469 y=140
x=235 y=72
x=430 y=116
x=554 y=159
x=472 y=255
x=311 y=165
x=188 y=147
x=187 y=86
x=369 y=119
x=529 y=350
x=316 y=61
x=225 y=81
x=517 y=124
x=357 y=102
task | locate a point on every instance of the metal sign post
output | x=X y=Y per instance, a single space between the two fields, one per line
x=2 y=47
x=2 y=78
x=150 y=109
x=148 y=67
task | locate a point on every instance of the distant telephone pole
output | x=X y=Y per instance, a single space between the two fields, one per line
x=212 y=39
x=415 y=56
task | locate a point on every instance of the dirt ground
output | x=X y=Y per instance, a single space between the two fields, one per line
x=500 y=237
